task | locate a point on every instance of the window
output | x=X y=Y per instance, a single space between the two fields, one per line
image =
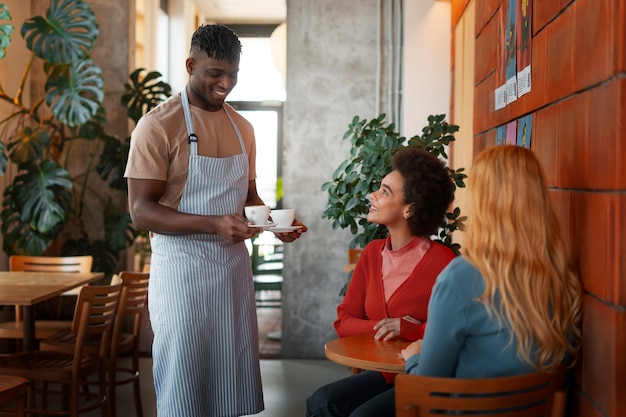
x=258 y=96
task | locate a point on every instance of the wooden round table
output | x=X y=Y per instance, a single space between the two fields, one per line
x=365 y=352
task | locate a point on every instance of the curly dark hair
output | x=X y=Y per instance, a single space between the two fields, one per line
x=427 y=186
x=217 y=41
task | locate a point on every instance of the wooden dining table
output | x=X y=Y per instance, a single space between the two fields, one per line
x=27 y=289
x=365 y=352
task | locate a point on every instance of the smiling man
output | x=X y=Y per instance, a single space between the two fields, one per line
x=191 y=172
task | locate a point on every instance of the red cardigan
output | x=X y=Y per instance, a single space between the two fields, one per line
x=364 y=303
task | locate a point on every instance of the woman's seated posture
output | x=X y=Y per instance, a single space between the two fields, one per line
x=389 y=291
x=512 y=304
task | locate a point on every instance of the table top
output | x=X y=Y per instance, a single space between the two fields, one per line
x=365 y=352
x=30 y=288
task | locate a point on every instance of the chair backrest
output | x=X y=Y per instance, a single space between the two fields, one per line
x=78 y=264
x=94 y=316
x=132 y=303
x=50 y=263
x=530 y=395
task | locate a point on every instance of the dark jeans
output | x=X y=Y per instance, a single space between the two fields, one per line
x=365 y=394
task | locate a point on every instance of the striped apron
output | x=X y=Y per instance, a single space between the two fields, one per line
x=202 y=309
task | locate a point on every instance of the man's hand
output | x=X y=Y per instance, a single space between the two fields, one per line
x=291 y=236
x=234 y=227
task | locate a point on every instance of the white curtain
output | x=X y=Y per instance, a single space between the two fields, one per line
x=390 y=55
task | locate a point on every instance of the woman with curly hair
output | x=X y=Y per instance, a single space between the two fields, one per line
x=512 y=304
x=389 y=291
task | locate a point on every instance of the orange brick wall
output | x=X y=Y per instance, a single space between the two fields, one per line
x=578 y=103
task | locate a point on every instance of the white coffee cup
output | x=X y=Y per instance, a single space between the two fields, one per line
x=283 y=217
x=257 y=214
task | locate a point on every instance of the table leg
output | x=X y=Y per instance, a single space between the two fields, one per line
x=28 y=314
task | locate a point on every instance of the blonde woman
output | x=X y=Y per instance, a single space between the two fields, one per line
x=512 y=303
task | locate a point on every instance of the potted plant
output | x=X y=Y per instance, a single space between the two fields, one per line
x=373 y=144
x=58 y=148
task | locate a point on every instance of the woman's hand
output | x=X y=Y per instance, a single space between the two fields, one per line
x=412 y=349
x=387 y=329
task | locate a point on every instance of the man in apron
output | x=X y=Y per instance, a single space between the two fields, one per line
x=190 y=173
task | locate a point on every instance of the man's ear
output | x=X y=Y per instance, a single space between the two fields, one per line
x=190 y=64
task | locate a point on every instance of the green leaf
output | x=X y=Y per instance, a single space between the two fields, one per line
x=43 y=197
x=67 y=33
x=119 y=230
x=4 y=160
x=19 y=238
x=75 y=93
x=94 y=127
x=5 y=30
x=32 y=217
x=28 y=145
x=113 y=162
x=144 y=93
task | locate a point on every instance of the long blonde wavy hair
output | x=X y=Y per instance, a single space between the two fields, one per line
x=514 y=240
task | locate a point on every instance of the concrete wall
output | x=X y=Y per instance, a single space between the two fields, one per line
x=331 y=75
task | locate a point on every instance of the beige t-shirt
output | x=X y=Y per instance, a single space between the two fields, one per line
x=159 y=147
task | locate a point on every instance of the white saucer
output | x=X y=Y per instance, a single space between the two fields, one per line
x=284 y=229
x=262 y=226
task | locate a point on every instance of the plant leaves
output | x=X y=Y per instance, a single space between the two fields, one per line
x=6 y=29
x=34 y=207
x=67 y=33
x=74 y=93
x=28 y=145
x=119 y=230
x=374 y=143
x=144 y=93
x=113 y=162
x=43 y=197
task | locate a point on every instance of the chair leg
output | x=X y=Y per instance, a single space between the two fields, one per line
x=111 y=394
x=103 y=388
x=137 y=394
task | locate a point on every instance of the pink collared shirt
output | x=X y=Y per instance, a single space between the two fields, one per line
x=399 y=263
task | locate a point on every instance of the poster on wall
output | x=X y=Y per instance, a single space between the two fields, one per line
x=524 y=131
x=511 y=133
x=500 y=93
x=511 y=52
x=501 y=135
x=524 y=39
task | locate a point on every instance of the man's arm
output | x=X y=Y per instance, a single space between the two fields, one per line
x=148 y=214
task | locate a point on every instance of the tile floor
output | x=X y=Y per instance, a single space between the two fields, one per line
x=286 y=383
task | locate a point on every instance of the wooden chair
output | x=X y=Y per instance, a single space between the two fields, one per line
x=93 y=318
x=130 y=310
x=43 y=328
x=13 y=390
x=531 y=395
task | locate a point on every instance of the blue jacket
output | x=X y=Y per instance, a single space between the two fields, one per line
x=461 y=340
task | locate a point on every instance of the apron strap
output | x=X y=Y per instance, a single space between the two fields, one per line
x=190 y=130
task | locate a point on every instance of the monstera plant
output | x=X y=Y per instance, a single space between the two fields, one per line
x=67 y=172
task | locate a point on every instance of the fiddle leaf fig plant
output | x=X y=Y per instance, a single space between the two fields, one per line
x=373 y=144
x=55 y=147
